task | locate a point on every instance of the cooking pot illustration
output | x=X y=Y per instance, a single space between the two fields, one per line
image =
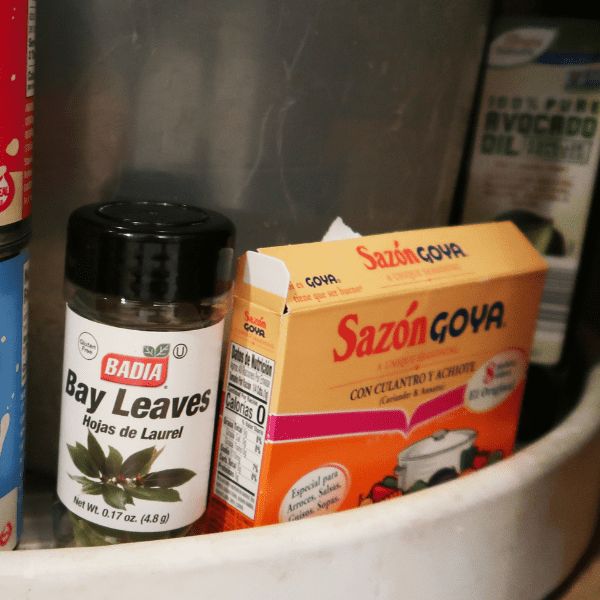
x=437 y=458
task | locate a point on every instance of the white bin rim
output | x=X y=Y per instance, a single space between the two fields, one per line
x=513 y=530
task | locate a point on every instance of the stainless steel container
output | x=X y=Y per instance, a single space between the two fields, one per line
x=282 y=115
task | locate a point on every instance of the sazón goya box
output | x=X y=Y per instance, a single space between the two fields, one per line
x=370 y=368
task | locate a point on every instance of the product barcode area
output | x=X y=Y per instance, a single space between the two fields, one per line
x=556 y=297
x=554 y=310
x=244 y=421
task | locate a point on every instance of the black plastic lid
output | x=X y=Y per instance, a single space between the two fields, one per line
x=150 y=251
x=14 y=238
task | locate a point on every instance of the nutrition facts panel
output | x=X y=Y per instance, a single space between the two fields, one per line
x=243 y=428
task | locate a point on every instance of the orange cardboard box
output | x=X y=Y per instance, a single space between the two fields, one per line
x=370 y=368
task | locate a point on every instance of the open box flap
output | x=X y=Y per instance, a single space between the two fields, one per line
x=264 y=280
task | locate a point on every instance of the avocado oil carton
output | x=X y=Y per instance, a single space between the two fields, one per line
x=366 y=369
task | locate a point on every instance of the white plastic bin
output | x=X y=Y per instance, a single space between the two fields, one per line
x=512 y=531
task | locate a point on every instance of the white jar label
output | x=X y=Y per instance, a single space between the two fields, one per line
x=137 y=422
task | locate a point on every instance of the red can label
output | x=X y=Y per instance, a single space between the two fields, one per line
x=17 y=62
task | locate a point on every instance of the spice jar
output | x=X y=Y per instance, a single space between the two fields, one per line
x=147 y=286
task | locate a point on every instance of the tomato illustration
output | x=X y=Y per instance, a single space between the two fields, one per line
x=383 y=490
x=480 y=461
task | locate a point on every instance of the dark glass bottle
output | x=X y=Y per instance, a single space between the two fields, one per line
x=533 y=158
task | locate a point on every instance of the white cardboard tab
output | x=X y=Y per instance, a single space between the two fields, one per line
x=267 y=273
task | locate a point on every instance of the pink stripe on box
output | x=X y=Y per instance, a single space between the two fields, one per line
x=315 y=425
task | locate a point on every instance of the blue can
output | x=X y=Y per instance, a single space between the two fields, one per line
x=14 y=287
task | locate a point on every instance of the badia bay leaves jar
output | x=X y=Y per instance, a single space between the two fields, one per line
x=147 y=289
